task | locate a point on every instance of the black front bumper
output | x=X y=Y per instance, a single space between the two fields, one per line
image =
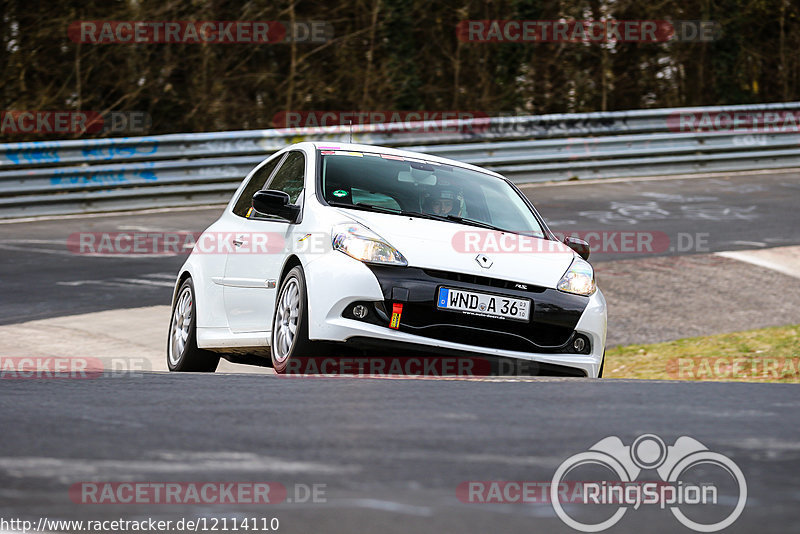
x=551 y=328
x=393 y=354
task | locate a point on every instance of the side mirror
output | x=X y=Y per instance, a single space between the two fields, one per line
x=578 y=245
x=272 y=202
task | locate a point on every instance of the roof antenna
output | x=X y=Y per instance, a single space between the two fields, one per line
x=351 y=131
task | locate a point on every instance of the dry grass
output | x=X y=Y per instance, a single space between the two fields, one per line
x=764 y=355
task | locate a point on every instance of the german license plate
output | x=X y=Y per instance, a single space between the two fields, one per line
x=484 y=304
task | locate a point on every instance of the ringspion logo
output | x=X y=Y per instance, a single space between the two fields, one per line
x=675 y=465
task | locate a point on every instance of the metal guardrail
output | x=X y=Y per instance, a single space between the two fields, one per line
x=190 y=169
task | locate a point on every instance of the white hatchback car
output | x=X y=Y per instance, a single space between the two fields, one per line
x=342 y=249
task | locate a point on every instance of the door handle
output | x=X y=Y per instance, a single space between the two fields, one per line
x=237 y=242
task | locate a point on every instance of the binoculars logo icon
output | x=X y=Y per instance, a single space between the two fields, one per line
x=648 y=452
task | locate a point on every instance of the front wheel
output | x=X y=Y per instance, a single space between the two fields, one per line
x=182 y=351
x=290 y=345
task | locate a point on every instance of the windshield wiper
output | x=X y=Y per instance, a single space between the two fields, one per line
x=454 y=218
x=409 y=213
x=384 y=209
x=474 y=222
x=364 y=206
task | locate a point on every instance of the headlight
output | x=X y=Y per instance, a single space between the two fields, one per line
x=363 y=244
x=578 y=279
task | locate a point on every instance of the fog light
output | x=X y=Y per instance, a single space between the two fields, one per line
x=360 y=311
x=579 y=344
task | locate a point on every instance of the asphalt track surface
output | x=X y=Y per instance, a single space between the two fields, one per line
x=41 y=278
x=390 y=452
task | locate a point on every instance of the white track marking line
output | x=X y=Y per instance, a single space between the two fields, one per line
x=34 y=241
x=750 y=243
x=143 y=281
x=560 y=183
x=386 y=506
x=49 y=467
x=58 y=252
x=219 y=206
x=163 y=276
x=39 y=250
x=141 y=229
x=784 y=260
x=118 y=282
x=77 y=283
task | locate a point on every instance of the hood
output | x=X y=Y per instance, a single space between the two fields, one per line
x=455 y=247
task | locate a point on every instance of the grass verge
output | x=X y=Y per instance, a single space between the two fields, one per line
x=763 y=355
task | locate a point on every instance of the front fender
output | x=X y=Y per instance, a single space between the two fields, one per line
x=334 y=280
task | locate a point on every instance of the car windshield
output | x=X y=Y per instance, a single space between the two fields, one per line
x=417 y=187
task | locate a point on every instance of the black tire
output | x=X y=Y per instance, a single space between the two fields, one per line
x=299 y=346
x=602 y=364
x=191 y=358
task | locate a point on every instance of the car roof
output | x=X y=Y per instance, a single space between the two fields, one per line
x=356 y=147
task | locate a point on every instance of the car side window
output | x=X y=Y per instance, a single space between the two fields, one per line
x=290 y=178
x=256 y=183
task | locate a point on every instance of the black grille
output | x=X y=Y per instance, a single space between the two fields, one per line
x=482 y=281
x=551 y=327
x=426 y=320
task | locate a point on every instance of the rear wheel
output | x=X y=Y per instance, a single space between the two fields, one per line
x=602 y=364
x=290 y=345
x=182 y=351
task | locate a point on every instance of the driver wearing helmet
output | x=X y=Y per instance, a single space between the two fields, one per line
x=442 y=201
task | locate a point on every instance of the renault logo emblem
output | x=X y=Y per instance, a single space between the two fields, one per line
x=484 y=261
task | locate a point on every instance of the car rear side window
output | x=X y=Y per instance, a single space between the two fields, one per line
x=290 y=178
x=256 y=183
